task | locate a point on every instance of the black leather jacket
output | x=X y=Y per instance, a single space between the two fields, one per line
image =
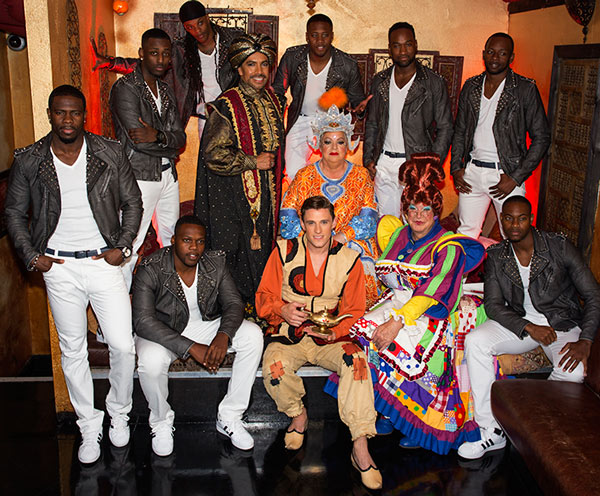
x=293 y=71
x=177 y=77
x=33 y=187
x=520 y=111
x=160 y=310
x=130 y=100
x=558 y=278
x=426 y=116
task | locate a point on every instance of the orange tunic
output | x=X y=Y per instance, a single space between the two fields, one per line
x=269 y=301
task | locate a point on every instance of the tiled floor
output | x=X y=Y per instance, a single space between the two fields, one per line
x=37 y=458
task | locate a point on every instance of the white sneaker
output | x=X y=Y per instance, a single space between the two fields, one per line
x=236 y=431
x=89 y=450
x=162 y=439
x=118 y=433
x=490 y=440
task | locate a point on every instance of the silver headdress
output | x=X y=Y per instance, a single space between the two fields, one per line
x=330 y=122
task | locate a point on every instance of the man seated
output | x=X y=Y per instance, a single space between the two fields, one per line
x=185 y=303
x=314 y=272
x=533 y=284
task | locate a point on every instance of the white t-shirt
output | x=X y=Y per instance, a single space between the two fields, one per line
x=210 y=84
x=76 y=229
x=484 y=144
x=394 y=139
x=191 y=297
x=158 y=102
x=531 y=314
x=315 y=87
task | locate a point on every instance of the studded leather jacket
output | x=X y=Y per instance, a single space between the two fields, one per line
x=112 y=191
x=160 y=310
x=558 y=279
x=131 y=100
x=177 y=77
x=426 y=116
x=293 y=71
x=520 y=112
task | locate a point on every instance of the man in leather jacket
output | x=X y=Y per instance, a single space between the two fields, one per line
x=410 y=113
x=85 y=211
x=533 y=284
x=185 y=304
x=490 y=158
x=310 y=70
x=147 y=124
x=200 y=69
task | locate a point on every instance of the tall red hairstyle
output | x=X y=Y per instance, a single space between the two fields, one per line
x=419 y=175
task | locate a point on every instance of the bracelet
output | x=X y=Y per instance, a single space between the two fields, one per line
x=33 y=263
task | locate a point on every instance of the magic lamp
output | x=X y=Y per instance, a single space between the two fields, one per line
x=120 y=6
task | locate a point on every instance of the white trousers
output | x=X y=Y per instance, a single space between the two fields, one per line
x=297 y=151
x=387 y=187
x=70 y=287
x=491 y=339
x=154 y=361
x=160 y=198
x=473 y=207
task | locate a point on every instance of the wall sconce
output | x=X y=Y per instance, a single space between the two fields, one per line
x=120 y=7
x=311 y=6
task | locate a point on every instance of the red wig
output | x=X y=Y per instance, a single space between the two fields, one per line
x=419 y=174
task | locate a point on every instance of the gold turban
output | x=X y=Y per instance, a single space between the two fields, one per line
x=248 y=44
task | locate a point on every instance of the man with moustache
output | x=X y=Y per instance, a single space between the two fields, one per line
x=534 y=284
x=200 y=69
x=490 y=157
x=312 y=273
x=238 y=188
x=185 y=304
x=309 y=70
x=148 y=126
x=410 y=113
x=72 y=210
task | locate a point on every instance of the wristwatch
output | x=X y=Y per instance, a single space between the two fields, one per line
x=125 y=252
x=161 y=139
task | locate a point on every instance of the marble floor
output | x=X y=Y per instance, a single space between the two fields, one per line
x=38 y=456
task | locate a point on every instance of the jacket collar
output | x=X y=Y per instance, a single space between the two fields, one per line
x=95 y=166
x=172 y=282
x=507 y=95
x=538 y=263
x=334 y=74
x=165 y=101
x=414 y=91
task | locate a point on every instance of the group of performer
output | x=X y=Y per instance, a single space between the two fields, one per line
x=414 y=352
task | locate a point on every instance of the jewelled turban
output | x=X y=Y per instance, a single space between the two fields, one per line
x=248 y=44
x=332 y=121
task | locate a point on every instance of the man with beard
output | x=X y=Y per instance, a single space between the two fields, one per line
x=410 y=113
x=151 y=133
x=309 y=70
x=200 y=69
x=239 y=175
x=185 y=304
x=73 y=208
x=490 y=158
x=534 y=284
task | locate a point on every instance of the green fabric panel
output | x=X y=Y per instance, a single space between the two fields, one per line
x=435 y=282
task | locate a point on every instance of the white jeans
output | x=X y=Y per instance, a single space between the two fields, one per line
x=154 y=361
x=491 y=339
x=473 y=206
x=70 y=287
x=297 y=151
x=160 y=198
x=387 y=187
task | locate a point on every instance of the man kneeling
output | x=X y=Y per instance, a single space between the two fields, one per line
x=314 y=272
x=533 y=282
x=185 y=303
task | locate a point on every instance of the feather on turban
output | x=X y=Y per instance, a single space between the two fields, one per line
x=248 y=44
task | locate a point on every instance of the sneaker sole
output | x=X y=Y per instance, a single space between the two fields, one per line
x=491 y=448
x=222 y=431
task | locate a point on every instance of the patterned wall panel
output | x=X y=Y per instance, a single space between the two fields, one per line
x=73 y=44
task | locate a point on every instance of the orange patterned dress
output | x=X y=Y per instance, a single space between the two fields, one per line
x=353 y=198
